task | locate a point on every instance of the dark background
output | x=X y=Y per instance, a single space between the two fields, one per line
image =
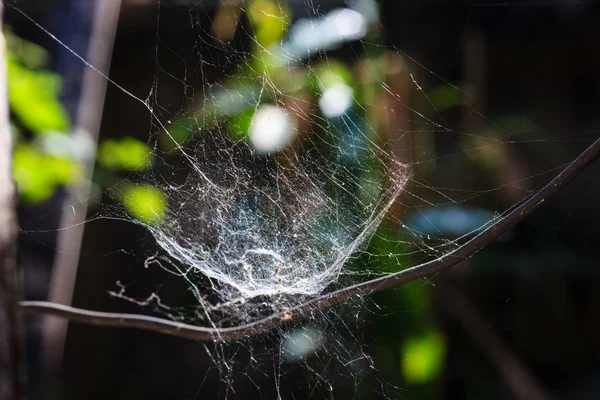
x=537 y=290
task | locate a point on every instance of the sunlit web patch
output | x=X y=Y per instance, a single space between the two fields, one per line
x=279 y=193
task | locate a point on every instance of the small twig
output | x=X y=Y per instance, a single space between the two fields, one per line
x=508 y=365
x=331 y=299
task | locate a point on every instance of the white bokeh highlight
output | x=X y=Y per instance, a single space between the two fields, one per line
x=336 y=100
x=272 y=129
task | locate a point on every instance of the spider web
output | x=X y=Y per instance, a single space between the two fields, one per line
x=298 y=164
x=263 y=217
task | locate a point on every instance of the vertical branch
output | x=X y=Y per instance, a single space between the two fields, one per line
x=10 y=367
x=88 y=119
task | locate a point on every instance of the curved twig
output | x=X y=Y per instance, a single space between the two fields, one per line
x=331 y=299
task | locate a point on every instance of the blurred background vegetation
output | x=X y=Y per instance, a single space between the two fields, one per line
x=489 y=101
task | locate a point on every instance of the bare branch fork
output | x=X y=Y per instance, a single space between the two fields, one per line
x=331 y=299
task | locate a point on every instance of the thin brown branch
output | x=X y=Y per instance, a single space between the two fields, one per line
x=331 y=299
x=522 y=383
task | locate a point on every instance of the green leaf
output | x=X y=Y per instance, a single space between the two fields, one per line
x=126 y=154
x=38 y=174
x=423 y=357
x=270 y=20
x=33 y=98
x=146 y=203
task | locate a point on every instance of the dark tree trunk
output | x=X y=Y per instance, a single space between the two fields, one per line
x=10 y=368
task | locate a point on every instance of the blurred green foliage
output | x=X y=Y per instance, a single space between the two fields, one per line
x=146 y=203
x=329 y=74
x=33 y=91
x=125 y=154
x=33 y=98
x=270 y=20
x=239 y=125
x=47 y=156
x=423 y=357
x=446 y=96
x=38 y=174
x=33 y=95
